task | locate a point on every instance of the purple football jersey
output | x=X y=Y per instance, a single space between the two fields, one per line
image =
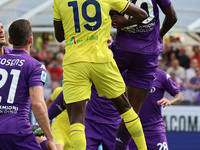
x=153 y=122
x=7 y=49
x=143 y=38
x=18 y=73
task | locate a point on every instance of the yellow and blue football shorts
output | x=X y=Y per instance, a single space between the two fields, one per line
x=78 y=79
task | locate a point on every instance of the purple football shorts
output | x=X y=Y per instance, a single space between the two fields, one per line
x=97 y=133
x=140 y=67
x=19 y=142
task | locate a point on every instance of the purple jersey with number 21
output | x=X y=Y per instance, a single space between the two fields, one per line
x=18 y=73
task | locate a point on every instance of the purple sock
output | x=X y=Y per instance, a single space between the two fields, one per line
x=43 y=144
x=123 y=137
x=56 y=107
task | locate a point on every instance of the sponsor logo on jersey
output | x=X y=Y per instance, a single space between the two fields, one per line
x=43 y=76
x=88 y=38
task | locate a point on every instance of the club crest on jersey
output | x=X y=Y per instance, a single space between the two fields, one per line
x=43 y=76
x=153 y=89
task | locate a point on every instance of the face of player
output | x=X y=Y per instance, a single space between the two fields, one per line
x=2 y=35
x=110 y=40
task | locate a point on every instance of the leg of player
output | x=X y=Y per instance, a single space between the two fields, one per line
x=136 y=96
x=122 y=142
x=56 y=107
x=131 y=119
x=76 y=112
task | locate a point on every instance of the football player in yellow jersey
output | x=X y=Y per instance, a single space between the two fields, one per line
x=85 y=27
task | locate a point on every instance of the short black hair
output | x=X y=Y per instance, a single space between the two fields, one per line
x=20 y=31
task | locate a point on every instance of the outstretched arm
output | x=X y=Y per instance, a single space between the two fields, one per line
x=169 y=21
x=177 y=99
x=138 y=14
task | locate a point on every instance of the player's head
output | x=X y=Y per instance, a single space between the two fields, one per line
x=2 y=35
x=20 y=33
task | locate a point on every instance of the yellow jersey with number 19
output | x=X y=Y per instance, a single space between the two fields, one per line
x=86 y=25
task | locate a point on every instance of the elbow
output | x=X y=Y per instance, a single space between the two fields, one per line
x=143 y=15
x=37 y=106
x=60 y=40
x=174 y=19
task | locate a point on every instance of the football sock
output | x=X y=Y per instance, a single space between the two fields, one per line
x=77 y=134
x=43 y=144
x=133 y=124
x=56 y=107
x=123 y=137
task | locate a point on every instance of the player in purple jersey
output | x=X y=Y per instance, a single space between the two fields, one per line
x=151 y=115
x=21 y=83
x=137 y=47
x=3 y=49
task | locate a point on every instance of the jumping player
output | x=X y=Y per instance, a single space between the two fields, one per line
x=136 y=47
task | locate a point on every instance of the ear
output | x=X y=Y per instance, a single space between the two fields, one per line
x=9 y=41
x=30 y=41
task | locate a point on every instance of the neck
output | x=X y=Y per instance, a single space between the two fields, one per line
x=1 y=50
x=23 y=48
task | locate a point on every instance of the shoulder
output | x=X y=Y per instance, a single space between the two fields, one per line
x=181 y=68
x=7 y=49
x=35 y=64
x=160 y=73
